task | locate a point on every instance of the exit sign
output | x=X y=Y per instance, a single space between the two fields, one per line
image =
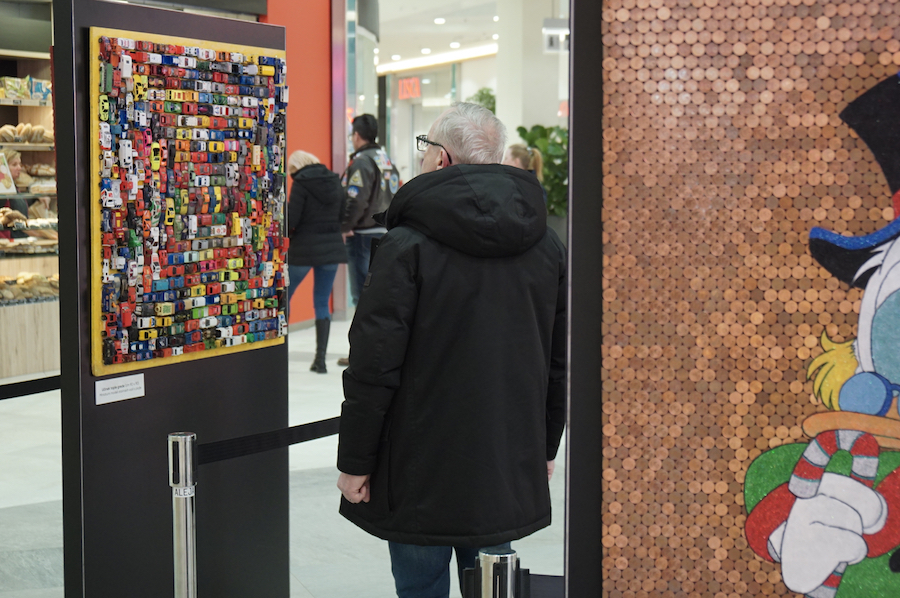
x=409 y=88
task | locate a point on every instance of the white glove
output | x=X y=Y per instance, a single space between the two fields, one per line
x=824 y=533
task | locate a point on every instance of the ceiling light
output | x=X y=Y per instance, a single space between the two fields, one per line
x=376 y=61
x=395 y=57
x=426 y=81
x=375 y=50
x=454 y=45
x=495 y=36
x=440 y=21
x=426 y=50
x=496 y=18
x=438 y=59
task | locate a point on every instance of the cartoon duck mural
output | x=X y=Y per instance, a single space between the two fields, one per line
x=829 y=511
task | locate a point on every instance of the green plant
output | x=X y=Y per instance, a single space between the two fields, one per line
x=553 y=142
x=484 y=97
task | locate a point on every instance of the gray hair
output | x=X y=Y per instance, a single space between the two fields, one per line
x=471 y=134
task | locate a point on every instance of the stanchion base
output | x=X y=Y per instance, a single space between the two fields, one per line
x=472 y=589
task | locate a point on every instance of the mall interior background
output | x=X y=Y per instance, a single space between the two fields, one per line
x=402 y=61
x=500 y=45
x=435 y=53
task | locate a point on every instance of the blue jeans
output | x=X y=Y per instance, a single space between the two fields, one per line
x=323 y=280
x=359 y=250
x=424 y=572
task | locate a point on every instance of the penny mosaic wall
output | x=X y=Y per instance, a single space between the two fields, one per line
x=722 y=148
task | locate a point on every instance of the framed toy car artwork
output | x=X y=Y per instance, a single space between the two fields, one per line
x=188 y=201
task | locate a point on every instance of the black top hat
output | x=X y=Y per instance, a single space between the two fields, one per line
x=875 y=116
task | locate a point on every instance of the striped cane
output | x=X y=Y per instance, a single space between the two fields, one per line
x=808 y=472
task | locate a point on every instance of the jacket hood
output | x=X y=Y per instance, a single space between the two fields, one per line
x=318 y=180
x=486 y=210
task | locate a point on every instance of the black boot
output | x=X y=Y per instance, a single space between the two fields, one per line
x=322 y=328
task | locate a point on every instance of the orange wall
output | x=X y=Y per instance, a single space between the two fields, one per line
x=308 y=39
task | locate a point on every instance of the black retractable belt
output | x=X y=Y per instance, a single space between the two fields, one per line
x=221 y=450
x=28 y=387
x=186 y=455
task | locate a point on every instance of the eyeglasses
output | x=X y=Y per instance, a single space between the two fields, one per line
x=422 y=143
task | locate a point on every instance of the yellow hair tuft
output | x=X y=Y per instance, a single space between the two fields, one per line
x=832 y=368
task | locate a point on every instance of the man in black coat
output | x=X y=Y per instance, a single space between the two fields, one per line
x=455 y=395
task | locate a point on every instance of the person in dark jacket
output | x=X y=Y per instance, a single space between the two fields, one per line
x=454 y=400
x=314 y=227
x=370 y=183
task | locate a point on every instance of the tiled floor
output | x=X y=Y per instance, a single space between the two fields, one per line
x=324 y=546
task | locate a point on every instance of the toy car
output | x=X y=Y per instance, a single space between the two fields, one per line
x=105 y=48
x=104 y=108
x=105 y=136
x=125 y=66
x=155 y=156
x=109 y=194
x=140 y=87
x=170 y=212
x=126 y=160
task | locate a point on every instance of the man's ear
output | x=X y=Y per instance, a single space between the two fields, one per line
x=445 y=159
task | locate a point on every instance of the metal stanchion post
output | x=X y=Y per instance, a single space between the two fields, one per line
x=498 y=573
x=183 y=479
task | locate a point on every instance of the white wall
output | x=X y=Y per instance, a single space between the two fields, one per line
x=528 y=81
x=477 y=73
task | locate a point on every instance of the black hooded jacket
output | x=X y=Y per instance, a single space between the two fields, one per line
x=455 y=394
x=314 y=218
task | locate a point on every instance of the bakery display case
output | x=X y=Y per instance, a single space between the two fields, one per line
x=29 y=264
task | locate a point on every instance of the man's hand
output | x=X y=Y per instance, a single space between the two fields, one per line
x=355 y=488
x=551 y=465
x=347 y=235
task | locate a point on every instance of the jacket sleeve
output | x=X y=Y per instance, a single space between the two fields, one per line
x=556 y=389
x=295 y=207
x=360 y=191
x=343 y=200
x=378 y=339
x=766 y=517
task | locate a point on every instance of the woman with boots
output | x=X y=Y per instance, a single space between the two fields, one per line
x=314 y=226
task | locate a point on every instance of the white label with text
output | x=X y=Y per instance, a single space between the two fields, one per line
x=119 y=389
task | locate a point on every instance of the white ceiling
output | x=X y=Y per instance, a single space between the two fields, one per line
x=407 y=26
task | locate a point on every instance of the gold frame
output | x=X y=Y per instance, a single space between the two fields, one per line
x=97 y=365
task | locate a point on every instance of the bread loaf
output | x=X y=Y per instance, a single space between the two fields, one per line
x=45 y=170
x=37 y=134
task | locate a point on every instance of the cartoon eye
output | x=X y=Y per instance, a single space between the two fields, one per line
x=867 y=392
